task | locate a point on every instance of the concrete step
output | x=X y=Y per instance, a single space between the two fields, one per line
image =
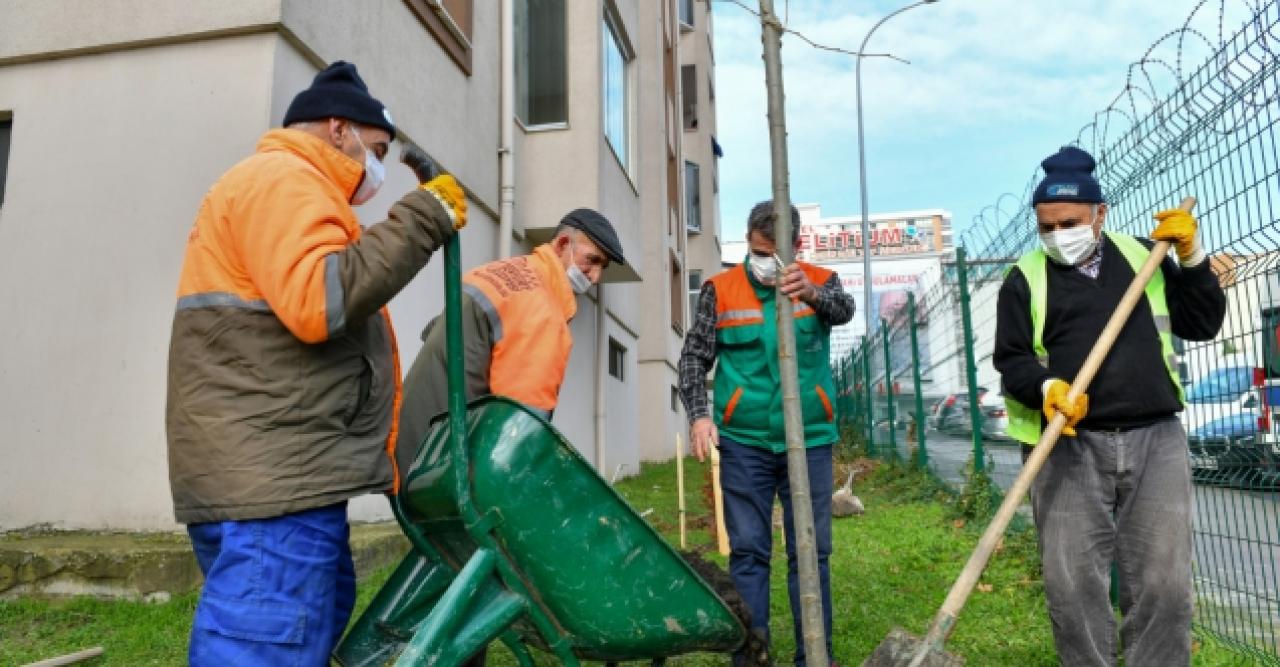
x=141 y=566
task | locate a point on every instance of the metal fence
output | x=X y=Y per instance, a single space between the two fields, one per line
x=1198 y=116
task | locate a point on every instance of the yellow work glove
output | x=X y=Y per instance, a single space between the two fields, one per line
x=1179 y=228
x=451 y=197
x=1055 y=401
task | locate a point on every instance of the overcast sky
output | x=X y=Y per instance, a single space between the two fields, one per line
x=993 y=87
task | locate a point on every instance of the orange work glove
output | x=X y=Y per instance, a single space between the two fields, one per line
x=451 y=197
x=1055 y=401
x=1179 y=228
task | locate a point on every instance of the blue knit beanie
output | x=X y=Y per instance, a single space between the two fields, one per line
x=1068 y=176
x=339 y=92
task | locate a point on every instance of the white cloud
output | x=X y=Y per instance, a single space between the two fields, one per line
x=999 y=80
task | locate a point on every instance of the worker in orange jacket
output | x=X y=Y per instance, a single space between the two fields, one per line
x=515 y=325
x=283 y=374
x=515 y=328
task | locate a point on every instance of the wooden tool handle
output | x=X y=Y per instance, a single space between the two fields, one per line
x=945 y=620
x=722 y=536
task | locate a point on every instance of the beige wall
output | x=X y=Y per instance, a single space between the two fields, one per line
x=123 y=117
x=109 y=160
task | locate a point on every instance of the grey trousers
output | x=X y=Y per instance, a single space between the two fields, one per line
x=1125 y=496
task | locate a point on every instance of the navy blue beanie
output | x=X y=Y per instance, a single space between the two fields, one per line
x=339 y=92
x=1068 y=176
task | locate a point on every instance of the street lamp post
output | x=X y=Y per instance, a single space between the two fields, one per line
x=862 y=173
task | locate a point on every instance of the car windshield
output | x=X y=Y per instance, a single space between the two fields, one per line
x=1222 y=385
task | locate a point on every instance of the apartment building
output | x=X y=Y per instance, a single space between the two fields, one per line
x=116 y=116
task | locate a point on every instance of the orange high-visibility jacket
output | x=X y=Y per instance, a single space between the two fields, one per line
x=515 y=331
x=284 y=382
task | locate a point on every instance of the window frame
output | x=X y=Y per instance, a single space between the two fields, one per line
x=692 y=197
x=611 y=27
x=6 y=145
x=455 y=39
x=686 y=26
x=522 y=92
x=617 y=359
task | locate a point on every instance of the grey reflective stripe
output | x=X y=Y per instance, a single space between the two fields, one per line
x=1162 y=323
x=334 y=298
x=487 y=306
x=1172 y=361
x=1043 y=359
x=799 y=306
x=739 y=315
x=227 y=299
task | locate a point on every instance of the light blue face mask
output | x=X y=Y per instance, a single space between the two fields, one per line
x=577 y=279
x=374 y=174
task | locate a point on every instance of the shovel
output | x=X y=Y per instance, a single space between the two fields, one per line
x=900 y=649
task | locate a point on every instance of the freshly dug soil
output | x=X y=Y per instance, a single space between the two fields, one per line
x=756 y=650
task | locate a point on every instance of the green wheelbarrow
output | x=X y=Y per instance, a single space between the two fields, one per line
x=517 y=538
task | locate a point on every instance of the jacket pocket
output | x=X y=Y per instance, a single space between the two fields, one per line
x=251 y=620
x=826 y=402
x=732 y=405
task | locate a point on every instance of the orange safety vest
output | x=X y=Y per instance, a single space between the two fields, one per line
x=529 y=303
x=748 y=400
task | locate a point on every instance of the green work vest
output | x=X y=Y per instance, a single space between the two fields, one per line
x=1024 y=421
x=748 y=388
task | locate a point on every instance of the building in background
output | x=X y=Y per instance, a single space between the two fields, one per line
x=115 y=119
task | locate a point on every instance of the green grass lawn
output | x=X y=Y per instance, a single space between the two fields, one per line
x=892 y=566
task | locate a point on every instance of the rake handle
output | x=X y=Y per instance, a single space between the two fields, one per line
x=945 y=621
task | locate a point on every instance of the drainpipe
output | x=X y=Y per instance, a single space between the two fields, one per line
x=602 y=369
x=506 y=155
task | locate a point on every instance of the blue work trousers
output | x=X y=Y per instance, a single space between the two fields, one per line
x=277 y=591
x=751 y=477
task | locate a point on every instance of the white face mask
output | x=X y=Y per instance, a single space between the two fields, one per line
x=765 y=269
x=374 y=174
x=1070 y=246
x=577 y=279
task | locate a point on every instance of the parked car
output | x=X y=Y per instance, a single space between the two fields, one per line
x=995 y=418
x=951 y=415
x=1221 y=393
x=1227 y=450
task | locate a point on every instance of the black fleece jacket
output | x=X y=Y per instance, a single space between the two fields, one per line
x=1132 y=387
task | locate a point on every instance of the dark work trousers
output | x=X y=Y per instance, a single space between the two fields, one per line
x=1122 y=496
x=751 y=477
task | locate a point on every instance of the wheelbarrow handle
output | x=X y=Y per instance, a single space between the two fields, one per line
x=427 y=169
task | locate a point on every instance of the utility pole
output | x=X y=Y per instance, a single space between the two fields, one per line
x=811 y=623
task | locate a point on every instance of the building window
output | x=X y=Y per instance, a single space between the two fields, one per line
x=617 y=98
x=677 y=297
x=692 y=198
x=449 y=21
x=541 y=92
x=689 y=95
x=6 y=130
x=695 y=290
x=617 y=359
x=675 y=400
x=686 y=14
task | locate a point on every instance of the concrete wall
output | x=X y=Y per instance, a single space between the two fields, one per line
x=124 y=115
x=110 y=158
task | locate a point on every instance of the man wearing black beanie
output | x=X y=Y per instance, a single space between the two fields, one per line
x=1117 y=487
x=284 y=382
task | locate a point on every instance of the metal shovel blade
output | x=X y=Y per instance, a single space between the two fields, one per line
x=900 y=647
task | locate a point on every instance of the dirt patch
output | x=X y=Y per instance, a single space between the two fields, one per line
x=756 y=650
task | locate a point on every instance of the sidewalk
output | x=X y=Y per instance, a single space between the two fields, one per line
x=140 y=566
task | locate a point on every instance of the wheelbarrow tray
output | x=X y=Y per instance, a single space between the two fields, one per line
x=607 y=580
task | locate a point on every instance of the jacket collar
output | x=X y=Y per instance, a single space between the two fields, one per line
x=549 y=268
x=332 y=163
